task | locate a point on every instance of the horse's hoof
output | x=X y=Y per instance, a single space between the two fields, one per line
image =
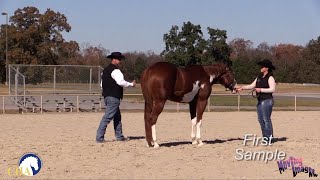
x=155 y=144
x=149 y=145
x=194 y=141
x=200 y=143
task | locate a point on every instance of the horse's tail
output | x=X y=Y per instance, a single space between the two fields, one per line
x=148 y=103
x=145 y=91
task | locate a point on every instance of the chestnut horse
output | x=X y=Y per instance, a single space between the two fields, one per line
x=164 y=81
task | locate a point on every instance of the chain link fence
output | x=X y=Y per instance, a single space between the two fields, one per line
x=55 y=79
x=17 y=87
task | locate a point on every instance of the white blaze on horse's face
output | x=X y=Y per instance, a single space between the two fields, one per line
x=212 y=77
x=188 y=97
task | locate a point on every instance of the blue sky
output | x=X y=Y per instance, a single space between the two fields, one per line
x=139 y=25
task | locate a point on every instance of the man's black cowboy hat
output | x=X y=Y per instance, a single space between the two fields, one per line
x=116 y=55
x=266 y=63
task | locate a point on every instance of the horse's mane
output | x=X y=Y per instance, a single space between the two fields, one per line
x=216 y=68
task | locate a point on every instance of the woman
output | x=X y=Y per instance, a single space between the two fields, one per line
x=264 y=85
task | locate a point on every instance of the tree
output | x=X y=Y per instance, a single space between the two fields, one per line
x=92 y=55
x=286 y=57
x=240 y=48
x=312 y=51
x=36 y=38
x=185 y=46
x=188 y=46
x=309 y=66
x=217 y=48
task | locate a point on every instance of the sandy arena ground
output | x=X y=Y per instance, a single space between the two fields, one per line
x=66 y=144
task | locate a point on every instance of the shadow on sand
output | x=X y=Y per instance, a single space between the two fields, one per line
x=136 y=137
x=279 y=139
x=217 y=141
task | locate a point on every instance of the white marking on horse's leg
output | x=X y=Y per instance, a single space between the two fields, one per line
x=212 y=77
x=193 y=128
x=202 y=86
x=154 y=136
x=198 y=133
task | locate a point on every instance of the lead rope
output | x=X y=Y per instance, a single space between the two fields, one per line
x=252 y=93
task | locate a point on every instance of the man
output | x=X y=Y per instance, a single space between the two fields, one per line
x=112 y=91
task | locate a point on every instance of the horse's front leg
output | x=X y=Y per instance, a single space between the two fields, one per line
x=154 y=136
x=201 y=106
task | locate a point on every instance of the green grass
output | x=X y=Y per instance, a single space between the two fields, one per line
x=246 y=100
x=226 y=100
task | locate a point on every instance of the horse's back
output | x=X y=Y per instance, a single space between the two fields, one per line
x=159 y=79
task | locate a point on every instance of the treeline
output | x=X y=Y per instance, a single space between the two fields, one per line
x=294 y=64
x=35 y=38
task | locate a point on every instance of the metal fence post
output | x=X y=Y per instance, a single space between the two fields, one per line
x=9 y=79
x=77 y=103
x=209 y=100
x=295 y=102
x=99 y=77
x=54 y=79
x=238 y=102
x=24 y=92
x=16 y=87
x=90 y=80
x=41 y=104
x=3 y=111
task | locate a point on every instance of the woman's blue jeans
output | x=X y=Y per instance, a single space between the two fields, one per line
x=112 y=112
x=264 y=110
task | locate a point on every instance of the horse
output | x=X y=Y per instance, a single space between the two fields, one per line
x=164 y=81
x=26 y=165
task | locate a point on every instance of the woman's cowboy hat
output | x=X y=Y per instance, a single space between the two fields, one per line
x=266 y=63
x=116 y=55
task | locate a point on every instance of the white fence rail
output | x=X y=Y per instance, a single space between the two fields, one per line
x=94 y=103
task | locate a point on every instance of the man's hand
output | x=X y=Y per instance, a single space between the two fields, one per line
x=134 y=83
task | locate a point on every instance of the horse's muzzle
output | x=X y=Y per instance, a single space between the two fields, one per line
x=232 y=86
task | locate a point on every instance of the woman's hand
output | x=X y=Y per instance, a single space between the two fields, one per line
x=239 y=88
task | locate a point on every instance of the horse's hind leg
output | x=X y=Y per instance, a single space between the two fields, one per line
x=147 y=122
x=156 y=110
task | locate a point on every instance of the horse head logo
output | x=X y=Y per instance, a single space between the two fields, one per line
x=30 y=164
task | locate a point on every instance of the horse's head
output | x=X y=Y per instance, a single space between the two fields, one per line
x=227 y=79
x=34 y=162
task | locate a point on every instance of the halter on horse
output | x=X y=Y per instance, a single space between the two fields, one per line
x=164 y=81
